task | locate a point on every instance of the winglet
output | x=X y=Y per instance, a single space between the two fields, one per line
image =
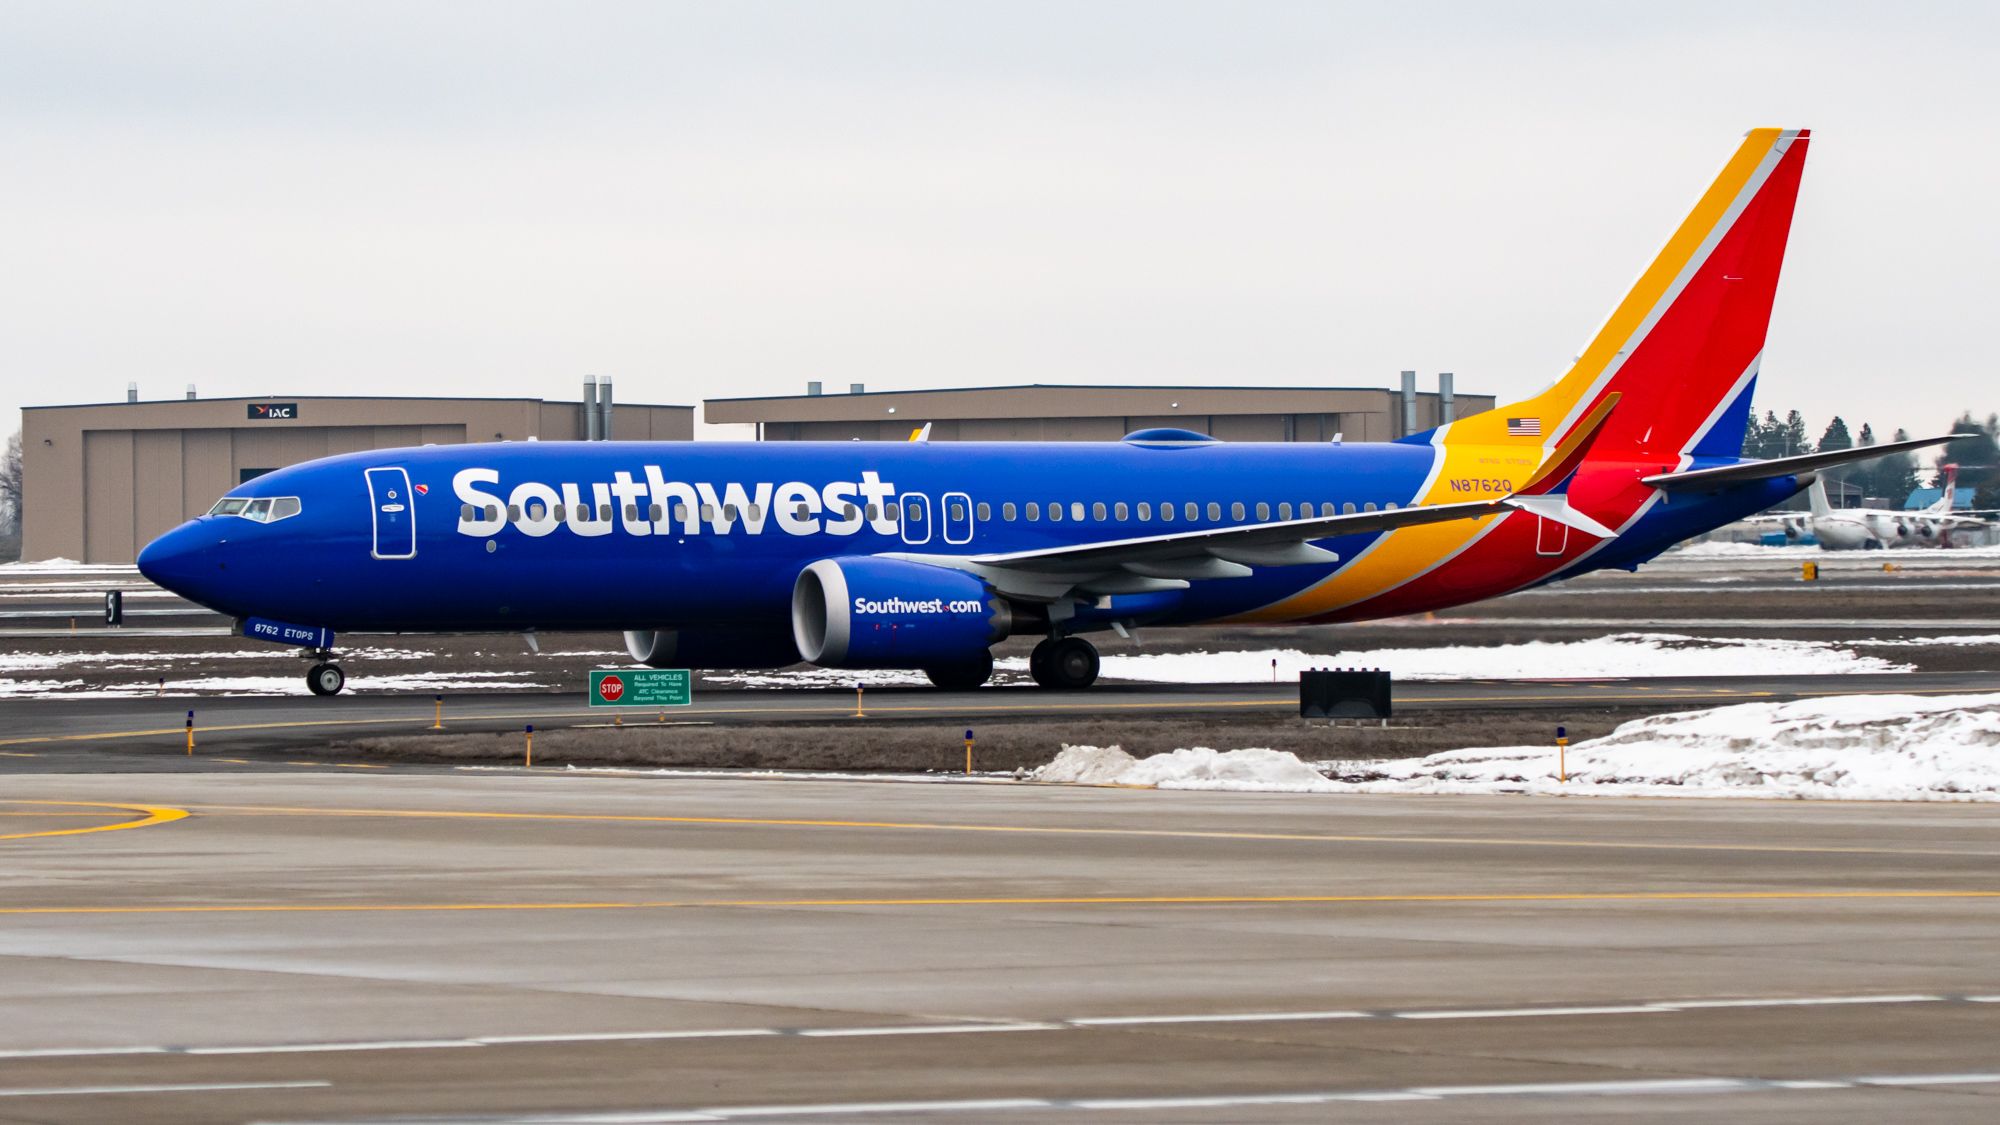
x=1570 y=452
x=923 y=435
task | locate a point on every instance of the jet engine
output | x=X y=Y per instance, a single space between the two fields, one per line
x=712 y=647
x=861 y=612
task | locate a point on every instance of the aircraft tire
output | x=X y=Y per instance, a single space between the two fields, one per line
x=326 y=679
x=1068 y=664
x=971 y=674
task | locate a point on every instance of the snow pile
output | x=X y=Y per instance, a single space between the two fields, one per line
x=1618 y=656
x=1879 y=748
x=1256 y=771
x=1721 y=549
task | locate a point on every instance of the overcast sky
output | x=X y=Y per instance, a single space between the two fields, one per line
x=719 y=199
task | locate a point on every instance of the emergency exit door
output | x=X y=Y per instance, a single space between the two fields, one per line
x=395 y=535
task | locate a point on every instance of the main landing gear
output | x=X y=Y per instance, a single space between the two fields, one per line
x=325 y=677
x=1064 y=663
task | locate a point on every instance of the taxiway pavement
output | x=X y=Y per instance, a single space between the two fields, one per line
x=367 y=945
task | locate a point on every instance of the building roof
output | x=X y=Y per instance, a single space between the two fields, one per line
x=283 y=397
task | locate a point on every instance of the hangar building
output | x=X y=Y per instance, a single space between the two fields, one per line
x=100 y=481
x=1042 y=412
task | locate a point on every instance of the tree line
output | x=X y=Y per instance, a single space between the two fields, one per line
x=1890 y=478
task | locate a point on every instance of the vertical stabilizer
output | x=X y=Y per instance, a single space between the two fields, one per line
x=1817 y=495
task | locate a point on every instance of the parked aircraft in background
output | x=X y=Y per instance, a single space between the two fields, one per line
x=1871 y=529
x=922 y=555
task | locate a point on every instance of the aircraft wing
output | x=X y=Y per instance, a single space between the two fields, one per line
x=1723 y=476
x=1169 y=562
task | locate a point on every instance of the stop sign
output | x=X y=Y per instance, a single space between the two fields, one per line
x=611 y=687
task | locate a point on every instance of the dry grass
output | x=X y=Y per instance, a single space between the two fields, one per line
x=912 y=746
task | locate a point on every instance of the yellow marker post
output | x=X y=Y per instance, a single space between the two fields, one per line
x=1809 y=572
x=190 y=730
x=968 y=752
x=858 y=712
x=1888 y=568
x=1562 y=751
x=529 y=762
x=617 y=718
x=438 y=723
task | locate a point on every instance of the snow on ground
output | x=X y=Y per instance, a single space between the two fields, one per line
x=114 y=661
x=1620 y=655
x=1260 y=771
x=66 y=566
x=296 y=685
x=1853 y=748
x=1871 y=747
x=1717 y=549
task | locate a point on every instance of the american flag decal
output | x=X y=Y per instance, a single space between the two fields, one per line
x=1524 y=427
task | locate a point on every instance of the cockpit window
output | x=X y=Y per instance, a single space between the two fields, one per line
x=263 y=509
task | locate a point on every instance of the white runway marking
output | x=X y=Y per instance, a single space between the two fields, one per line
x=1078 y=1023
x=1657 y=1087
x=169 y=1088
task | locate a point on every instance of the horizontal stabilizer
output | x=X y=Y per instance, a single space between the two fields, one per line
x=1723 y=476
x=1555 y=506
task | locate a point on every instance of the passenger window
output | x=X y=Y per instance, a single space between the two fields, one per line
x=1120 y=511
x=284 y=507
x=893 y=511
x=1285 y=510
x=1263 y=511
x=985 y=511
x=493 y=513
x=631 y=513
x=1191 y=510
x=1096 y=511
x=1347 y=509
x=1236 y=510
x=537 y=510
x=708 y=512
x=1369 y=506
x=1145 y=511
x=1389 y=507
x=800 y=513
x=729 y=511
x=957 y=511
x=465 y=513
x=1034 y=512
x=681 y=512
x=559 y=511
x=513 y=513
x=1076 y=510
x=1167 y=512
x=756 y=512
x=653 y=513
x=1055 y=513
x=1007 y=511
x=874 y=513
x=1215 y=511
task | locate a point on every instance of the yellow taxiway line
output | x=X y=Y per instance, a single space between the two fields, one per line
x=154 y=814
x=1023 y=900
x=1067 y=830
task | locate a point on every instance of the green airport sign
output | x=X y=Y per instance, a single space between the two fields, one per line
x=642 y=687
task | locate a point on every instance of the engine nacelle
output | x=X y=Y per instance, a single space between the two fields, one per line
x=887 y=613
x=712 y=647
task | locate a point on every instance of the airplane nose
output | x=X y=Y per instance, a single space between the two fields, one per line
x=185 y=560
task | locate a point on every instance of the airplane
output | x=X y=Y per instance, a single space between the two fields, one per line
x=1871 y=529
x=921 y=555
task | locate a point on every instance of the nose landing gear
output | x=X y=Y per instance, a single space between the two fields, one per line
x=325 y=677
